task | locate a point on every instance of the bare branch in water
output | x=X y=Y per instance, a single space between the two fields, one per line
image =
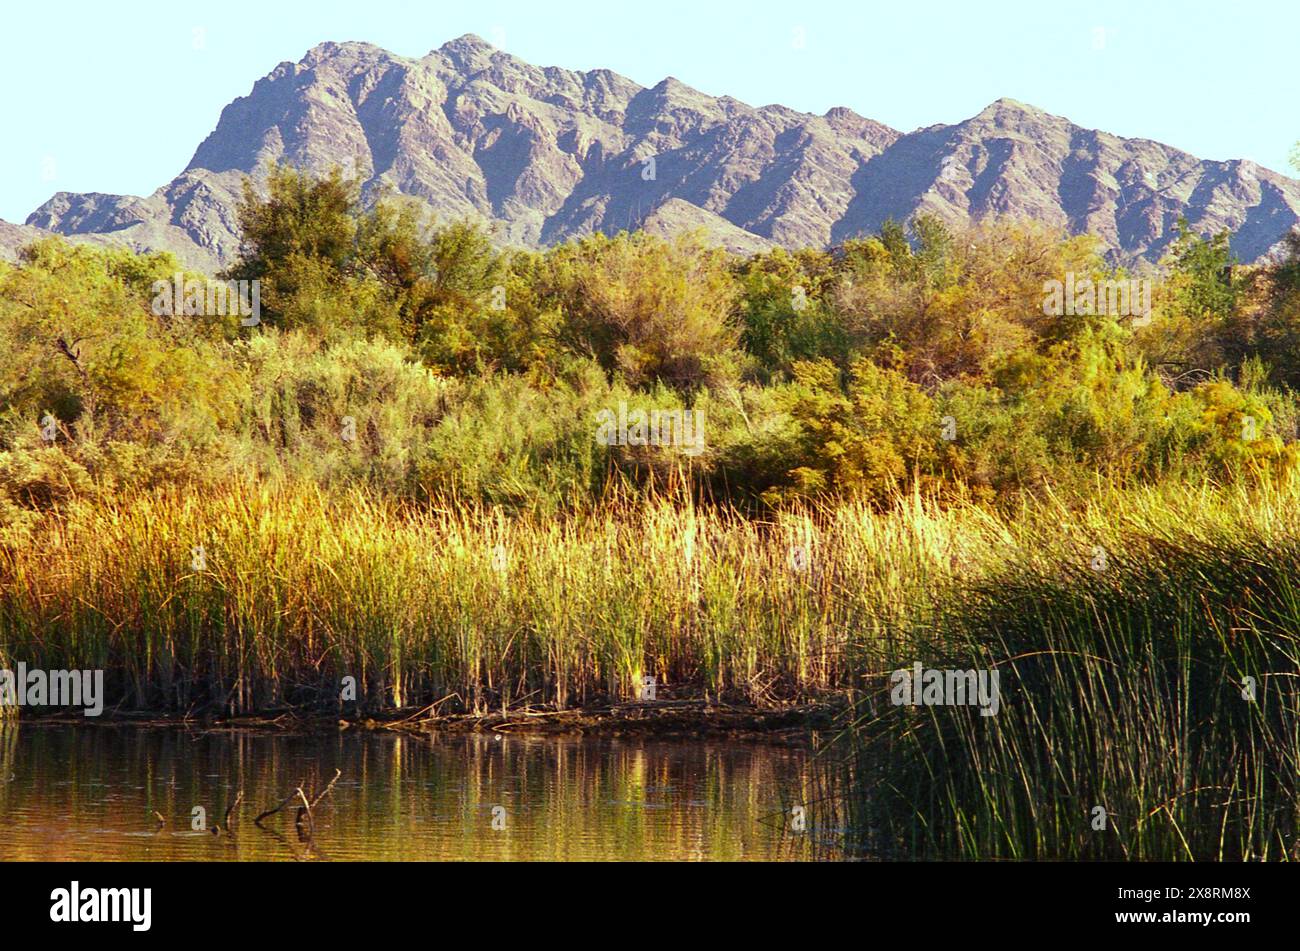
x=307 y=804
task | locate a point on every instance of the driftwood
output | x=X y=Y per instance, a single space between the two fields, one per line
x=305 y=810
x=284 y=802
x=217 y=829
x=328 y=787
x=305 y=830
x=230 y=809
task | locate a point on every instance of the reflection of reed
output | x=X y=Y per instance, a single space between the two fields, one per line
x=399 y=798
x=8 y=756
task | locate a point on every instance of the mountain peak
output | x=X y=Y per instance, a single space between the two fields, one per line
x=468 y=42
x=1007 y=106
x=672 y=86
x=470 y=51
x=330 y=49
x=842 y=114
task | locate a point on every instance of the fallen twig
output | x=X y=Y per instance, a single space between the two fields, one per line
x=328 y=787
x=270 y=812
x=307 y=804
x=239 y=797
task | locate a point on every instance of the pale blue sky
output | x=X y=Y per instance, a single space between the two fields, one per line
x=116 y=97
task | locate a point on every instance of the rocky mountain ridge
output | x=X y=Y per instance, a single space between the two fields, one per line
x=547 y=154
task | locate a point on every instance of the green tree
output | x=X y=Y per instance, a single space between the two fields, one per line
x=302 y=242
x=651 y=309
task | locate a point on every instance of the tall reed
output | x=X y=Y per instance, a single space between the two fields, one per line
x=255 y=597
x=1148 y=649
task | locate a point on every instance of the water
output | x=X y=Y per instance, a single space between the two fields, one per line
x=90 y=793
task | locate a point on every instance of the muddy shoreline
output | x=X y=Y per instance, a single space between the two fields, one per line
x=650 y=719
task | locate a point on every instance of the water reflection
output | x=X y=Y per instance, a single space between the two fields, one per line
x=91 y=793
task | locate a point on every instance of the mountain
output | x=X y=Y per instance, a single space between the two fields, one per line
x=13 y=237
x=546 y=154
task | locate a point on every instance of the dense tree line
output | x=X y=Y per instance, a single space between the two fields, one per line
x=921 y=357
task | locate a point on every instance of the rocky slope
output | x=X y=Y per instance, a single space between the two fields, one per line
x=546 y=154
x=13 y=237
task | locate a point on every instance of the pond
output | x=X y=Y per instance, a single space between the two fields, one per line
x=86 y=793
